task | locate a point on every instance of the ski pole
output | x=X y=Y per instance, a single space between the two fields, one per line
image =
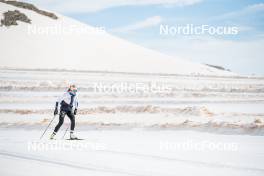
x=65 y=132
x=47 y=127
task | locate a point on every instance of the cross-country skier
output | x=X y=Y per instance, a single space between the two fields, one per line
x=68 y=106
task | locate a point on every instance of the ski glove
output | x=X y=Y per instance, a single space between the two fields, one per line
x=56 y=111
x=75 y=111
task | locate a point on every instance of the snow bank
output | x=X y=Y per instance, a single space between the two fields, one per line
x=145 y=117
x=217 y=104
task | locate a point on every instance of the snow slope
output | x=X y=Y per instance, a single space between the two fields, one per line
x=69 y=44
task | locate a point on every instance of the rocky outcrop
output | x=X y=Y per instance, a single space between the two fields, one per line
x=29 y=6
x=218 y=67
x=11 y=18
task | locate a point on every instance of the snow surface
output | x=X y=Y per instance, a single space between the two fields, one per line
x=82 y=47
x=128 y=133
x=139 y=153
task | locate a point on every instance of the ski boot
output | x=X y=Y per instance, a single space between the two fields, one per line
x=72 y=136
x=52 y=135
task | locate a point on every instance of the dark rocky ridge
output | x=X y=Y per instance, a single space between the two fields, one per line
x=218 y=67
x=11 y=18
x=29 y=6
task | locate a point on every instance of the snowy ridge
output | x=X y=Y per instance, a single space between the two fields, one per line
x=40 y=80
x=217 y=104
x=50 y=85
x=91 y=50
x=159 y=118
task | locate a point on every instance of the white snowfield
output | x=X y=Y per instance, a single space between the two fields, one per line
x=131 y=153
x=68 y=44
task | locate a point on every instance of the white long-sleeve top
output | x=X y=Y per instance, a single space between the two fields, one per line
x=66 y=97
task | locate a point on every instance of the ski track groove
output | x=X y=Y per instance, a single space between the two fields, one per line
x=112 y=170
x=179 y=160
x=71 y=165
x=198 y=163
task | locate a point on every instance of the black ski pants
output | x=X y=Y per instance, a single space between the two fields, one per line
x=61 y=120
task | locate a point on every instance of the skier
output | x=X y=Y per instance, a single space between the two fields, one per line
x=68 y=106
